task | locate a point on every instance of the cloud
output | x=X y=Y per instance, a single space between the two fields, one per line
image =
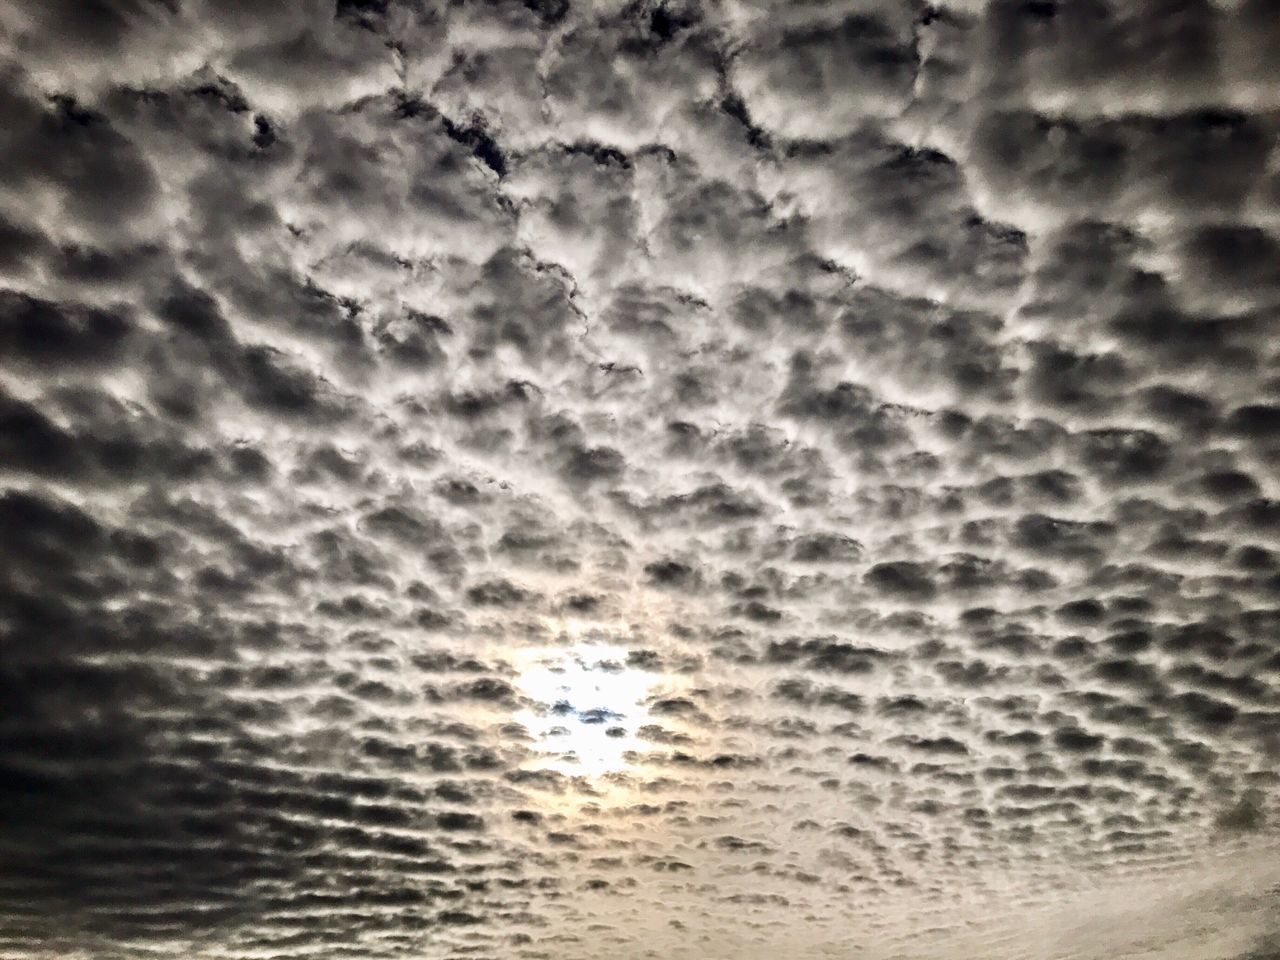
x=478 y=479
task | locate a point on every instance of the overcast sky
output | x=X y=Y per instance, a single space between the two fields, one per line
x=655 y=479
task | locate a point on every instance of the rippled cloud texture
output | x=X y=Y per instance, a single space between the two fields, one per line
x=714 y=479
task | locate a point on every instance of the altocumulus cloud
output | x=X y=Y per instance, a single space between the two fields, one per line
x=549 y=478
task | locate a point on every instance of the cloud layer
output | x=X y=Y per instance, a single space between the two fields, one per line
x=548 y=479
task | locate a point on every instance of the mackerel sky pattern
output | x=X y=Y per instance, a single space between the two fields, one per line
x=556 y=480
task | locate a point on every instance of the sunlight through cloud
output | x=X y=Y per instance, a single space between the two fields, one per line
x=586 y=706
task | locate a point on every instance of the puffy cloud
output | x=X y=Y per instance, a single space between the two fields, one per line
x=473 y=477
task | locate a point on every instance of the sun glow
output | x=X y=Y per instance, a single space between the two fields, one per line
x=585 y=707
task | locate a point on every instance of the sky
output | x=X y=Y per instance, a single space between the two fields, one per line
x=562 y=480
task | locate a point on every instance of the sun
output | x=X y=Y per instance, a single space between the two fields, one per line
x=586 y=705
